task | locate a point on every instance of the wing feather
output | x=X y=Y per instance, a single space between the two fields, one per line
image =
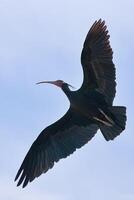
x=96 y=59
x=55 y=142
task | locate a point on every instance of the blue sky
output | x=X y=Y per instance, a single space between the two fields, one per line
x=42 y=40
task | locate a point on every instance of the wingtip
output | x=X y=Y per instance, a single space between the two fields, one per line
x=18 y=174
x=101 y=22
x=16 y=177
x=23 y=186
x=18 y=184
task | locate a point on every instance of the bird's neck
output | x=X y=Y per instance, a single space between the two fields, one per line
x=66 y=90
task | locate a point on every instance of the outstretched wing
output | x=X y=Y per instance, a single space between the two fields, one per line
x=96 y=59
x=55 y=142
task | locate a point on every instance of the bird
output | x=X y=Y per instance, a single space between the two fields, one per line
x=91 y=108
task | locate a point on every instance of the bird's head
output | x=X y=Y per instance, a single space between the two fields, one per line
x=58 y=83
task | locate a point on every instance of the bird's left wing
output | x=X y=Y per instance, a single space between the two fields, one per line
x=96 y=59
x=57 y=141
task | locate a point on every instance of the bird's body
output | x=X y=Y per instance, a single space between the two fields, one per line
x=91 y=108
x=86 y=104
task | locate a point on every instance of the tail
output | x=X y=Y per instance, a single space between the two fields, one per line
x=119 y=118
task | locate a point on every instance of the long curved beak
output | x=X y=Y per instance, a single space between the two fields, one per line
x=57 y=83
x=51 y=82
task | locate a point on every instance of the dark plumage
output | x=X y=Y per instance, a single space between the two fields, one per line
x=90 y=109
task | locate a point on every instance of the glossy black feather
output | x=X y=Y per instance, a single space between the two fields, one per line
x=55 y=142
x=96 y=59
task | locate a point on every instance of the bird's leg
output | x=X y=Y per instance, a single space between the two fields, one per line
x=104 y=118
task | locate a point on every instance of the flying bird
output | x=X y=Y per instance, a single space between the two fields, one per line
x=91 y=108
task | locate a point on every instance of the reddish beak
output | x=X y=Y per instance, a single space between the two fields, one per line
x=57 y=83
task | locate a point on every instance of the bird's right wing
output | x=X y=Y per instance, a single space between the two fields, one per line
x=55 y=142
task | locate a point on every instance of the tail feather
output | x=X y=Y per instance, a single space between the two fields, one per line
x=119 y=114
